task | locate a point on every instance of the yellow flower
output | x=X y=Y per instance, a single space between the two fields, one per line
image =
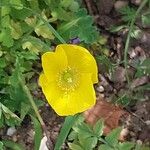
x=67 y=79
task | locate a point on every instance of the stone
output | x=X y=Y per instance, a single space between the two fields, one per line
x=120 y=4
x=11 y=131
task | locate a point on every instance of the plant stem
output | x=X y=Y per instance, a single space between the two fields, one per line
x=30 y=98
x=129 y=36
x=53 y=30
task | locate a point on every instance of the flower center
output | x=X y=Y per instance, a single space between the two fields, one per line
x=68 y=79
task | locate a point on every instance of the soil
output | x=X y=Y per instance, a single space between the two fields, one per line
x=138 y=123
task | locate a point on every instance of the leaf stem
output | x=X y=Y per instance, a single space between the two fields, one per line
x=129 y=36
x=53 y=30
x=30 y=98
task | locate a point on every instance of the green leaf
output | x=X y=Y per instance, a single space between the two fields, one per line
x=1 y=120
x=59 y=13
x=16 y=74
x=98 y=128
x=1 y=146
x=12 y=145
x=15 y=91
x=88 y=143
x=5 y=21
x=34 y=45
x=8 y=113
x=3 y=63
x=38 y=133
x=117 y=28
x=105 y=147
x=72 y=136
x=84 y=130
x=6 y=38
x=126 y=146
x=80 y=26
x=69 y=122
x=123 y=99
x=16 y=4
x=74 y=6
x=146 y=20
x=74 y=146
x=20 y=14
x=5 y=10
x=143 y=68
x=8 y=117
x=71 y=5
x=16 y=30
x=44 y=31
x=24 y=110
x=112 y=138
x=28 y=55
x=69 y=25
x=128 y=13
x=34 y=5
x=66 y=3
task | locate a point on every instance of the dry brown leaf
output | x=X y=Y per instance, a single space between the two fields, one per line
x=110 y=113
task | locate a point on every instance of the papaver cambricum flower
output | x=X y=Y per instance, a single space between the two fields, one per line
x=67 y=79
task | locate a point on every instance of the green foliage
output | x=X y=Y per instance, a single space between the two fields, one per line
x=127 y=13
x=7 y=116
x=112 y=138
x=69 y=122
x=79 y=26
x=25 y=33
x=1 y=145
x=7 y=144
x=143 y=68
x=38 y=133
x=146 y=19
x=85 y=137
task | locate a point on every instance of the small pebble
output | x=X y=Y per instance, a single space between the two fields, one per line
x=136 y=2
x=132 y=54
x=100 y=89
x=14 y=138
x=123 y=134
x=147 y=122
x=43 y=145
x=119 y=4
x=47 y=105
x=11 y=131
x=139 y=142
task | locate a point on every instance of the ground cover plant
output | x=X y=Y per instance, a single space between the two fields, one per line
x=101 y=42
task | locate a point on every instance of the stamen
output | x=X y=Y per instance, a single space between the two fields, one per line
x=68 y=79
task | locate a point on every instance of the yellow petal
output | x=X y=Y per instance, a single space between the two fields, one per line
x=77 y=101
x=53 y=62
x=81 y=59
x=50 y=89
